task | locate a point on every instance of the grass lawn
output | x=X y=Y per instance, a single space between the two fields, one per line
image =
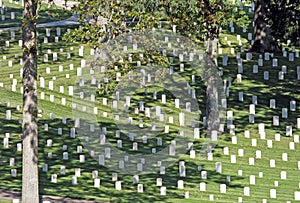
x=45 y=14
x=63 y=73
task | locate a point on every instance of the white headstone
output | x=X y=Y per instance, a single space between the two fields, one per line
x=172 y=148
x=269 y=143
x=275 y=62
x=11 y=161
x=296 y=138
x=8 y=115
x=182 y=172
x=261 y=128
x=159 y=182
x=97 y=182
x=251 y=161
x=266 y=75
x=234 y=139
x=202 y=186
x=273 y=193
x=292 y=146
x=226 y=151
x=45 y=58
x=289 y=131
x=192 y=154
x=283 y=175
x=247 y=134
x=280 y=75
x=58 y=31
x=163 y=191
x=80 y=51
x=252 y=109
x=114 y=177
x=204 y=175
x=276 y=120
x=233 y=159
x=247 y=191
x=293 y=105
x=260 y=62
x=222 y=188
x=272 y=163
x=180 y=184
x=241 y=152
x=252 y=179
x=241 y=96
x=272 y=103
x=238 y=78
x=101 y=160
x=19 y=147
x=284 y=112
x=258 y=154
x=267 y=56
x=54 y=178
x=219 y=167
x=140 y=188
x=118 y=185
x=5 y=142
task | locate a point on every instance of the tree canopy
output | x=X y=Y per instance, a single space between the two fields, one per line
x=103 y=20
x=276 y=21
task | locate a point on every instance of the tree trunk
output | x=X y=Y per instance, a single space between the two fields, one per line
x=212 y=93
x=263 y=39
x=212 y=104
x=212 y=48
x=30 y=183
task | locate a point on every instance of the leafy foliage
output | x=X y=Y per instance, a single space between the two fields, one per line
x=101 y=21
x=284 y=19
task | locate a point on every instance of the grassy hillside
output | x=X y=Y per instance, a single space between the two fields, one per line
x=236 y=158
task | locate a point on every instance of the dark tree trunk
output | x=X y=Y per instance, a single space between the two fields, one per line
x=30 y=183
x=211 y=74
x=212 y=104
x=212 y=93
x=263 y=39
x=212 y=48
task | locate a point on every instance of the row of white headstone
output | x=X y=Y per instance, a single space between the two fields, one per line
x=12 y=16
x=56 y=38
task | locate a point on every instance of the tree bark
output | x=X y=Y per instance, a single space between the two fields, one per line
x=30 y=183
x=212 y=48
x=263 y=39
x=212 y=93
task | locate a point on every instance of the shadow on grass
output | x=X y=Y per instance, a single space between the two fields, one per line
x=63 y=190
x=45 y=15
x=253 y=84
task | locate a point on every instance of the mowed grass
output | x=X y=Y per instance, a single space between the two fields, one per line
x=46 y=13
x=252 y=84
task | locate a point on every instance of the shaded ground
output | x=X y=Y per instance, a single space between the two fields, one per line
x=9 y=195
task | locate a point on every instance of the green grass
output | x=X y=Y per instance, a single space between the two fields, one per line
x=45 y=14
x=252 y=84
x=5 y=201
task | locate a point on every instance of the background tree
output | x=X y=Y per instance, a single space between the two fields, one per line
x=263 y=40
x=276 y=21
x=285 y=16
x=30 y=183
x=200 y=20
x=101 y=21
